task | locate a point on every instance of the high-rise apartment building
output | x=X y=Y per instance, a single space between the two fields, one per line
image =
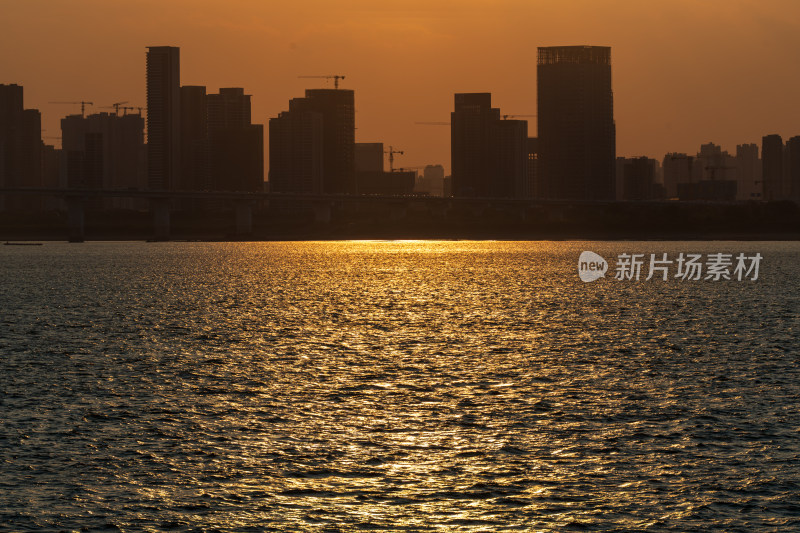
x=20 y=147
x=163 y=117
x=295 y=152
x=236 y=145
x=489 y=155
x=221 y=150
x=306 y=157
x=104 y=151
x=792 y=169
x=772 y=167
x=337 y=107
x=577 y=135
x=195 y=163
x=748 y=169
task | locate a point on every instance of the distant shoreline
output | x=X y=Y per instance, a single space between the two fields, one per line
x=27 y=237
x=667 y=221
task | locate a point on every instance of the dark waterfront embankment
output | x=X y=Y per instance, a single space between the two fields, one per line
x=415 y=220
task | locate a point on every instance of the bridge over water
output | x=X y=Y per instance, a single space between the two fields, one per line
x=161 y=203
x=599 y=214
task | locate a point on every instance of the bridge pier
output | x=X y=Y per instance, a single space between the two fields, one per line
x=244 y=218
x=161 y=218
x=75 y=219
x=322 y=212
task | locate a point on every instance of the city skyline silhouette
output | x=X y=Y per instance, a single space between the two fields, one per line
x=679 y=81
x=573 y=148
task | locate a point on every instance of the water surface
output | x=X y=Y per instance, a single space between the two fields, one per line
x=420 y=386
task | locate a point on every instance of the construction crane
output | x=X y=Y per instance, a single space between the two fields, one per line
x=126 y=108
x=713 y=168
x=433 y=123
x=116 y=106
x=336 y=78
x=83 y=103
x=505 y=117
x=403 y=169
x=391 y=151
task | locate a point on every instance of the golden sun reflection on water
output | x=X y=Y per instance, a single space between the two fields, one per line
x=440 y=386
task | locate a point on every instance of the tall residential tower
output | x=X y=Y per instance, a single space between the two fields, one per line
x=577 y=136
x=163 y=117
x=488 y=155
x=312 y=146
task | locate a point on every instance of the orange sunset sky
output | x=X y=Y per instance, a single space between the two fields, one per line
x=684 y=72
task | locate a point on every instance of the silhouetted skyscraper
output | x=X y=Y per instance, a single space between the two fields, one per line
x=532 y=185
x=792 y=169
x=772 y=166
x=299 y=162
x=509 y=159
x=470 y=152
x=488 y=155
x=295 y=152
x=163 y=117
x=577 y=135
x=195 y=163
x=679 y=169
x=236 y=145
x=20 y=146
x=337 y=107
x=105 y=151
x=230 y=108
x=748 y=167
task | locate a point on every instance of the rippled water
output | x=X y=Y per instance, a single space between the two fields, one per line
x=421 y=386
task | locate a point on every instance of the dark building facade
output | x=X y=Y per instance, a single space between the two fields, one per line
x=302 y=156
x=20 y=140
x=295 y=152
x=638 y=179
x=195 y=164
x=489 y=156
x=20 y=146
x=221 y=150
x=394 y=183
x=792 y=168
x=509 y=159
x=337 y=107
x=748 y=172
x=369 y=157
x=533 y=187
x=772 y=167
x=470 y=152
x=577 y=135
x=236 y=144
x=104 y=151
x=163 y=117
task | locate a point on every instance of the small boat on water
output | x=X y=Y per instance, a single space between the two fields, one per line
x=9 y=243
